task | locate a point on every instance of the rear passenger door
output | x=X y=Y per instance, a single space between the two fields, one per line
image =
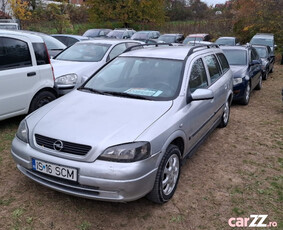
x=17 y=75
x=217 y=84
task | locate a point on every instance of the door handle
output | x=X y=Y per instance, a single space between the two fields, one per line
x=31 y=74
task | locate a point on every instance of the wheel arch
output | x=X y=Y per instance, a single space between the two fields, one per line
x=51 y=90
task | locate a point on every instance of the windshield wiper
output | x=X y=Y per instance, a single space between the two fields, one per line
x=121 y=94
x=92 y=90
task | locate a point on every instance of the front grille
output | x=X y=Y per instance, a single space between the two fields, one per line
x=68 y=147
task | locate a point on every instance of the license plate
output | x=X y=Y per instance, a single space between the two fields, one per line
x=55 y=170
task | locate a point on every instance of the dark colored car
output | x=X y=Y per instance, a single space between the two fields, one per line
x=123 y=33
x=69 y=39
x=245 y=64
x=196 y=38
x=54 y=46
x=228 y=41
x=267 y=59
x=172 y=38
x=94 y=33
x=146 y=34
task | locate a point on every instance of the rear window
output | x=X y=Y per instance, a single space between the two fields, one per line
x=40 y=53
x=14 y=54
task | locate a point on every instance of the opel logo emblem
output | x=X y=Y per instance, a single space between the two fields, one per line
x=58 y=145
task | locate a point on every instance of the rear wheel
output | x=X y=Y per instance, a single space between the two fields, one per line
x=41 y=99
x=259 y=84
x=225 y=116
x=247 y=94
x=167 y=176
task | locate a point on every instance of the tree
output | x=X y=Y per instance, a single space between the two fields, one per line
x=20 y=9
x=127 y=11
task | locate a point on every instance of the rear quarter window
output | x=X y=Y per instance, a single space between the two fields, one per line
x=223 y=62
x=213 y=68
x=41 y=54
x=14 y=54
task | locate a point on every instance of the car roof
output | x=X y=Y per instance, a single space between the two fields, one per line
x=147 y=31
x=197 y=35
x=262 y=46
x=263 y=35
x=235 y=47
x=109 y=41
x=32 y=37
x=227 y=38
x=167 y=52
x=170 y=35
x=79 y=37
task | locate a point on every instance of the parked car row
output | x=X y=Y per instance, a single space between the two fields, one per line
x=132 y=113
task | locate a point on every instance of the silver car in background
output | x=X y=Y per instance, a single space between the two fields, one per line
x=124 y=133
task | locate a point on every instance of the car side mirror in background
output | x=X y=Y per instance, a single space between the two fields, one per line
x=254 y=62
x=275 y=46
x=200 y=94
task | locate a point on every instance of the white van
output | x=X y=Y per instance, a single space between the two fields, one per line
x=26 y=75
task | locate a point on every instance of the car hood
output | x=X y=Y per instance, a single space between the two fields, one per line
x=82 y=69
x=239 y=70
x=96 y=120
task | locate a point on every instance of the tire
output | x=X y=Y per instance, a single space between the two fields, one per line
x=225 y=116
x=167 y=176
x=271 y=70
x=265 y=75
x=259 y=85
x=41 y=99
x=246 y=99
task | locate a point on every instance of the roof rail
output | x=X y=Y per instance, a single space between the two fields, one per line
x=142 y=46
x=203 y=46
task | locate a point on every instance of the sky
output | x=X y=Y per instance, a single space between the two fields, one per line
x=213 y=2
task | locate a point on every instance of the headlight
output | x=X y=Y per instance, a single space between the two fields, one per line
x=237 y=81
x=22 y=132
x=68 y=79
x=127 y=152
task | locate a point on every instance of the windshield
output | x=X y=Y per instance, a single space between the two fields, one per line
x=225 y=41
x=262 y=52
x=84 y=52
x=140 y=35
x=236 y=57
x=91 y=33
x=262 y=41
x=167 y=39
x=52 y=43
x=115 y=34
x=191 y=39
x=149 y=78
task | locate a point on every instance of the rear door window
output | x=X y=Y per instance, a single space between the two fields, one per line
x=213 y=68
x=117 y=50
x=14 y=53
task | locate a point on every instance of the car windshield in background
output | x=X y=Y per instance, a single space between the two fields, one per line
x=92 y=33
x=192 y=39
x=145 y=78
x=8 y=27
x=262 y=52
x=222 y=41
x=52 y=43
x=84 y=52
x=236 y=57
x=167 y=39
x=262 y=41
x=140 y=36
x=115 y=34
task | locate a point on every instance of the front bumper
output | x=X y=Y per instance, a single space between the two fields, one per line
x=239 y=91
x=100 y=180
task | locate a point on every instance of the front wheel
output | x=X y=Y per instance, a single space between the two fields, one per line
x=259 y=84
x=247 y=94
x=41 y=99
x=225 y=116
x=167 y=176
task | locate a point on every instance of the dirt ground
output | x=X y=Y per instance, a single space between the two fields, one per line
x=236 y=172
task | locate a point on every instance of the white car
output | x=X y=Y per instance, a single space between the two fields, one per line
x=26 y=77
x=76 y=64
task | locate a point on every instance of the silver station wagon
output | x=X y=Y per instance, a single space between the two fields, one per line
x=125 y=132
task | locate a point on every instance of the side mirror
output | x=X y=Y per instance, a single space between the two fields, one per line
x=254 y=62
x=200 y=94
x=275 y=46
